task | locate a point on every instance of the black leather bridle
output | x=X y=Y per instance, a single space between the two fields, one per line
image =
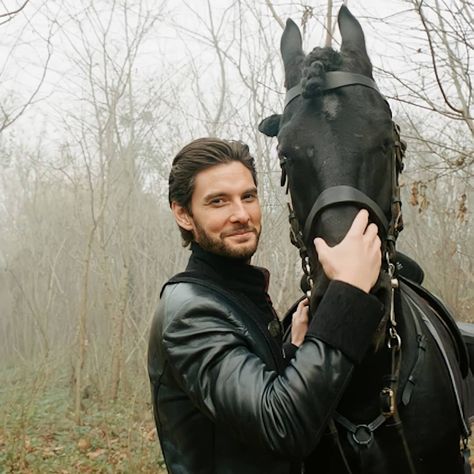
x=389 y=230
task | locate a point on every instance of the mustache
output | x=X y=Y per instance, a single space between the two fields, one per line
x=239 y=230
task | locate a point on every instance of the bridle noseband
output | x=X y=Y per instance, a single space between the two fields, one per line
x=344 y=194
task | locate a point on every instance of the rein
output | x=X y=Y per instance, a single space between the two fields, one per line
x=361 y=434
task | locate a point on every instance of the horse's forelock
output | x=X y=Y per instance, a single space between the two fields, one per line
x=331 y=59
x=315 y=65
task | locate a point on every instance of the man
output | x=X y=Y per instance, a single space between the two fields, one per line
x=225 y=398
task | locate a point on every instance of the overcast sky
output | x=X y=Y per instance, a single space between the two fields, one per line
x=390 y=29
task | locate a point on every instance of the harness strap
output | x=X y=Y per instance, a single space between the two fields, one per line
x=362 y=434
x=415 y=372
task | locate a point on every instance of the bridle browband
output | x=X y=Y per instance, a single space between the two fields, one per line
x=334 y=80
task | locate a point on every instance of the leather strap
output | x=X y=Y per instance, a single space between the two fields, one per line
x=362 y=429
x=417 y=367
x=344 y=194
x=335 y=80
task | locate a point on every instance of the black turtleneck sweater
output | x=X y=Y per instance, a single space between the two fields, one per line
x=246 y=282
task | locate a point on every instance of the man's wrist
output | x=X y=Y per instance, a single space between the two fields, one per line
x=354 y=281
x=346 y=319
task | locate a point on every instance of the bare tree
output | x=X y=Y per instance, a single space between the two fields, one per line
x=86 y=236
x=15 y=102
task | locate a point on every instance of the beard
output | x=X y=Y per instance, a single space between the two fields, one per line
x=221 y=246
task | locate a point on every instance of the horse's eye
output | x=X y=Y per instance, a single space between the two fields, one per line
x=282 y=153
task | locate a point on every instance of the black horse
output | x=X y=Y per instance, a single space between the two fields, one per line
x=407 y=407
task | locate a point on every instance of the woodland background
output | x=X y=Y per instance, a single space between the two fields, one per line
x=96 y=97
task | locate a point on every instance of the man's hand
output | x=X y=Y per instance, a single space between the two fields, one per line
x=299 y=323
x=357 y=258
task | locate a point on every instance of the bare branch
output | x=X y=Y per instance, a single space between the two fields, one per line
x=10 y=15
x=275 y=14
x=433 y=58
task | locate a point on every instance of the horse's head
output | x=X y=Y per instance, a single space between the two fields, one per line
x=337 y=143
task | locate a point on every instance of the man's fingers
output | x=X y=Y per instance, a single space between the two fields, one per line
x=378 y=245
x=302 y=305
x=372 y=230
x=301 y=315
x=360 y=223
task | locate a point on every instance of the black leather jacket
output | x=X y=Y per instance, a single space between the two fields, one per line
x=224 y=399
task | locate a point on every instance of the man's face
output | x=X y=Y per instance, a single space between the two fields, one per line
x=225 y=214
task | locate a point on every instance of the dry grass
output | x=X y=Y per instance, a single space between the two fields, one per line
x=38 y=433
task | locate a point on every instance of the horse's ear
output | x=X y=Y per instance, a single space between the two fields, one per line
x=291 y=43
x=270 y=126
x=351 y=32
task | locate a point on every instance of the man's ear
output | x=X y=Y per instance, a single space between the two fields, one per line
x=270 y=126
x=182 y=217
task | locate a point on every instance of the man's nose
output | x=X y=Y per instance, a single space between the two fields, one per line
x=239 y=213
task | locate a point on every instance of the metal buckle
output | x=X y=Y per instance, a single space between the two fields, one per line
x=387 y=399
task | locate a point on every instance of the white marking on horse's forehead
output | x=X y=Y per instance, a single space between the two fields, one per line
x=331 y=106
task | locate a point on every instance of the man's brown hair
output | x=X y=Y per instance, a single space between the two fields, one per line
x=197 y=156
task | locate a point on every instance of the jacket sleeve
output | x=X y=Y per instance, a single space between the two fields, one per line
x=207 y=349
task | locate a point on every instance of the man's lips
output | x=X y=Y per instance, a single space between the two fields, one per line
x=239 y=232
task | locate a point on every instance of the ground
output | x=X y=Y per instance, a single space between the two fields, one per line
x=42 y=437
x=38 y=434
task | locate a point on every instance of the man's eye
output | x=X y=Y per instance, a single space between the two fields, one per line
x=249 y=197
x=216 y=201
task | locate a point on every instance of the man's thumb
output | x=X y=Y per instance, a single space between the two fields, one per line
x=320 y=245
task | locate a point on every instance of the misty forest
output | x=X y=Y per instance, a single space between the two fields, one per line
x=96 y=98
